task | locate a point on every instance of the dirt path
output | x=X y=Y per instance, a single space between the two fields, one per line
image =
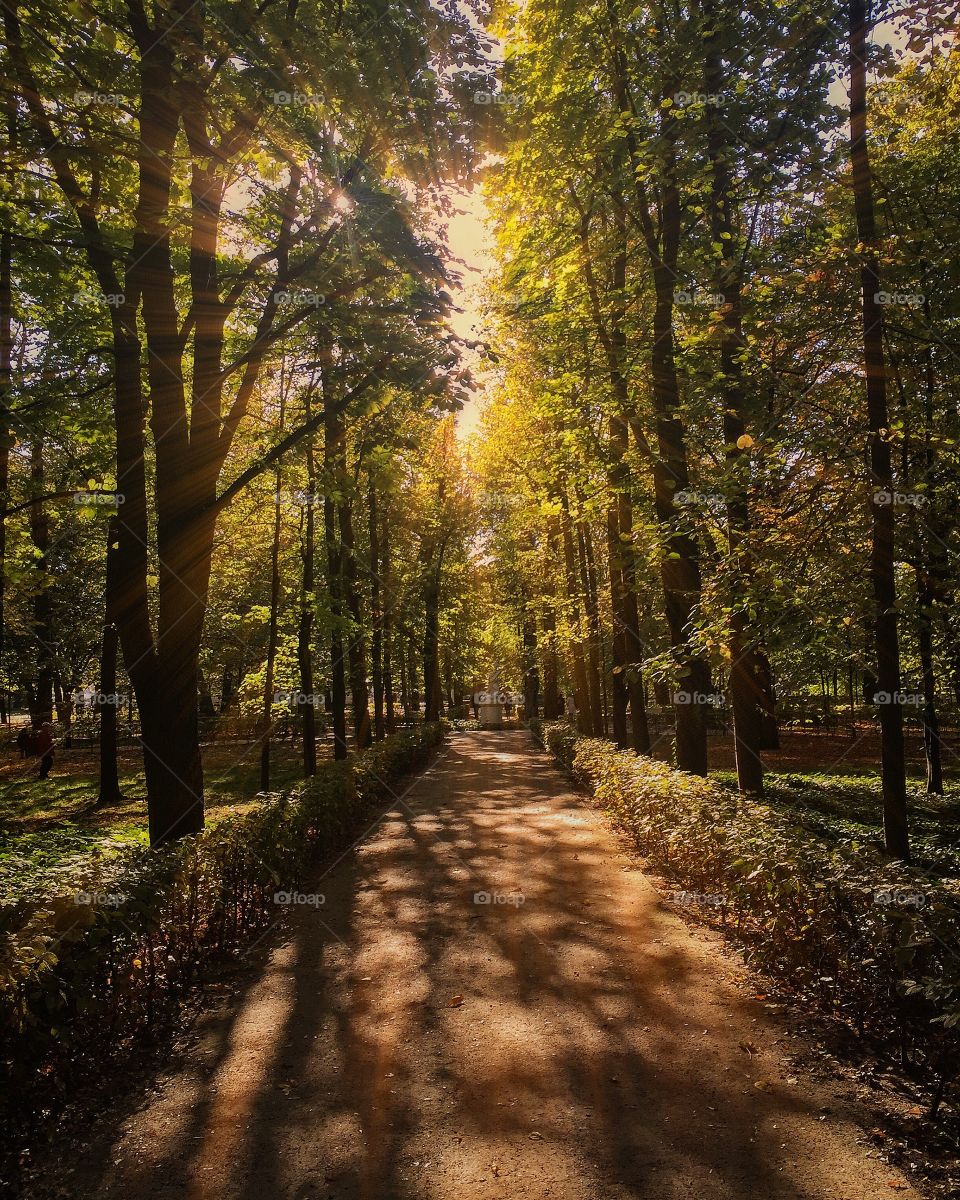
x=601 y=1049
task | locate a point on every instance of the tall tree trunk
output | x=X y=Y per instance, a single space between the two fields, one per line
x=626 y=682
x=274 y=619
x=745 y=684
x=932 y=742
x=388 y=640
x=412 y=690
x=307 y=606
x=356 y=647
x=591 y=600
x=376 y=611
x=618 y=685
x=42 y=607
x=552 y=700
x=6 y=369
x=882 y=558
x=531 y=674
x=333 y=436
x=272 y=632
x=679 y=560
x=109 y=700
x=431 y=649
x=581 y=690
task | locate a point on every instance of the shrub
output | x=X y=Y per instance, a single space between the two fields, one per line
x=84 y=972
x=874 y=943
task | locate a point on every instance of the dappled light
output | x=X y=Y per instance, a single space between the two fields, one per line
x=479 y=600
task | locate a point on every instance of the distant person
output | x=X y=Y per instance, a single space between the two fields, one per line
x=44 y=747
x=25 y=742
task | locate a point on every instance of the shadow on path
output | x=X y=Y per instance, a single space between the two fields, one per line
x=489 y=1002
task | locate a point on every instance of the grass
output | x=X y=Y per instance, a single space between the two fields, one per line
x=47 y=825
x=845 y=808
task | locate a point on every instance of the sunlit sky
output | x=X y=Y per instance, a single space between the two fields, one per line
x=470 y=241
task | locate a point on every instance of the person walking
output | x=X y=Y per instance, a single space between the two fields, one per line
x=44 y=745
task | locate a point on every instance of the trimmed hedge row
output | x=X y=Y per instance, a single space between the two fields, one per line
x=84 y=974
x=874 y=943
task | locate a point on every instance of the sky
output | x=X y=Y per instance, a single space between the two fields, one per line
x=470 y=241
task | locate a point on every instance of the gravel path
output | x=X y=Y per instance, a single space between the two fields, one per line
x=571 y=1038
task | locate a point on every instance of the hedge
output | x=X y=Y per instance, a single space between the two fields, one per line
x=873 y=942
x=89 y=971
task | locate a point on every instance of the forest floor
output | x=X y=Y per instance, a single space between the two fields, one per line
x=492 y=1000
x=46 y=825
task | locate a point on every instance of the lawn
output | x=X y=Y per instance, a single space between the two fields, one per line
x=47 y=825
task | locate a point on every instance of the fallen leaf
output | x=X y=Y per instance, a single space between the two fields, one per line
x=454 y=1002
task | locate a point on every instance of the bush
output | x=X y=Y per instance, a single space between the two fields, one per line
x=873 y=942
x=84 y=973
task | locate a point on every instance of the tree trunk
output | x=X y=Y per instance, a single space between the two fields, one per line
x=412 y=692
x=307 y=606
x=333 y=435
x=109 y=700
x=388 y=656
x=618 y=686
x=932 y=743
x=376 y=612
x=745 y=686
x=42 y=708
x=594 y=654
x=356 y=648
x=882 y=558
x=6 y=369
x=581 y=691
x=431 y=656
x=679 y=562
x=552 y=700
x=272 y=634
x=531 y=675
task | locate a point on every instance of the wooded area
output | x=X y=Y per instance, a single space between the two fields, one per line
x=272 y=523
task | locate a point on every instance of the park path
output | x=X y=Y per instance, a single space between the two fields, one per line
x=404 y=1042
